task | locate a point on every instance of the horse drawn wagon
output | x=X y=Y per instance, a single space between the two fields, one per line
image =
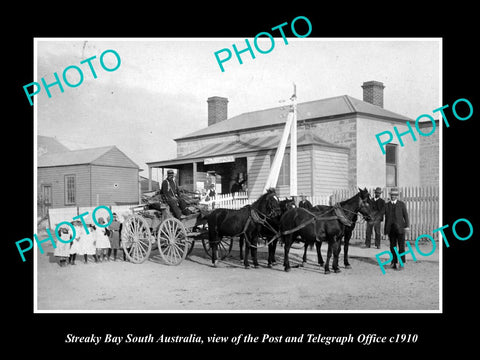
x=152 y=225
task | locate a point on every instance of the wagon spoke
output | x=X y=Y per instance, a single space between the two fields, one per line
x=165 y=235
x=134 y=252
x=135 y=238
x=169 y=229
x=138 y=252
x=141 y=248
x=131 y=250
x=174 y=252
x=134 y=226
x=176 y=249
x=171 y=237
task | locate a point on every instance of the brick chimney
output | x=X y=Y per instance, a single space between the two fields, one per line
x=217 y=109
x=373 y=92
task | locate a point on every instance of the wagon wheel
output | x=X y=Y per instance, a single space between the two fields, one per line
x=173 y=243
x=136 y=239
x=224 y=247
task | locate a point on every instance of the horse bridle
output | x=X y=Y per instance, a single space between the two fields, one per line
x=362 y=203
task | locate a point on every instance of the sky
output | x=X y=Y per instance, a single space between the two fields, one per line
x=160 y=90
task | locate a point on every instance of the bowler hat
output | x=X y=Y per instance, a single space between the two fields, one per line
x=170 y=172
x=378 y=190
x=393 y=191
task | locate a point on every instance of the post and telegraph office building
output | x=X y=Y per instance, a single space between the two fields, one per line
x=336 y=148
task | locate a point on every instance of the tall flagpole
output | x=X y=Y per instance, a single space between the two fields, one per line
x=277 y=160
x=293 y=145
x=290 y=127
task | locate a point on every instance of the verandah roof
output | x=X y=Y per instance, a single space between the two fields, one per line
x=243 y=148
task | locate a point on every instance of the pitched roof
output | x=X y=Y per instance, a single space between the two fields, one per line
x=47 y=144
x=78 y=157
x=317 y=109
x=255 y=144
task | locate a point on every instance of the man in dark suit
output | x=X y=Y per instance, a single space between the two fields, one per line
x=396 y=224
x=378 y=206
x=172 y=195
x=304 y=203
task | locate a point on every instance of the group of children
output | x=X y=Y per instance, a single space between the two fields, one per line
x=98 y=243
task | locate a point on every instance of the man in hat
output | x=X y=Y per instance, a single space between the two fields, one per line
x=304 y=203
x=396 y=224
x=172 y=195
x=378 y=206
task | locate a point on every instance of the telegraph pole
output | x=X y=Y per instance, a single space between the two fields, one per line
x=293 y=144
x=290 y=127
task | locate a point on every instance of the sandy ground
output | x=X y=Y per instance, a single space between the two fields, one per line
x=196 y=285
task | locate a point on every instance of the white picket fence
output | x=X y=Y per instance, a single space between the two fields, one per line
x=230 y=201
x=319 y=199
x=238 y=200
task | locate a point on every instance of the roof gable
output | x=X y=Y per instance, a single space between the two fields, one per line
x=114 y=157
x=47 y=144
x=317 y=109
x=107 y=155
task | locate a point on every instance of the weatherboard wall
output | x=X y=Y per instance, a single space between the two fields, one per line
x=55 y=177
x=112 y=185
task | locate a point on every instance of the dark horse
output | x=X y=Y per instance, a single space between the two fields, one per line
x=270 y=230
x=246 y=222
x=314 y=227
x=325 y=209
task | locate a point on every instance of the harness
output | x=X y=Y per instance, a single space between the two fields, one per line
x=257 y=217
x=339 y=215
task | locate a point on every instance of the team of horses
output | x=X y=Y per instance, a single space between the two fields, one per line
x=281 y=220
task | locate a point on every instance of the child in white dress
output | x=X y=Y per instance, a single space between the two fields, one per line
x=102 y=240
x=87 y=244
x=75 y=244
x=62 y=249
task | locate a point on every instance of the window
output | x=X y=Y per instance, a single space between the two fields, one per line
x=284 y=176
x=47 y=194
x=70 y=190
x=391 y=164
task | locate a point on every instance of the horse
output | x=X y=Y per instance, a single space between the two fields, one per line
x=324 y=209
x=314 y=227
x=271 y=230
x=245 y=222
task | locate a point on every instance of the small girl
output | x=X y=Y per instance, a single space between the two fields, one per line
x=75 y=244
x=102 y=240
x=87 y=244
x=62 y=249
x=114 y=236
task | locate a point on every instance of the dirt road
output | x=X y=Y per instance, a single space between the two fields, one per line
x=196 y=285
